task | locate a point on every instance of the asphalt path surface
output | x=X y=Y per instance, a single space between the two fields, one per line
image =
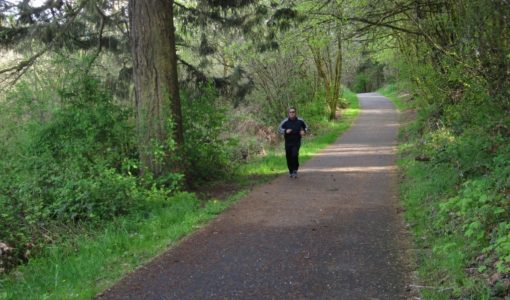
x=333 y=233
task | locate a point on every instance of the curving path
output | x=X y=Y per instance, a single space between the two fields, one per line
x=333 y=233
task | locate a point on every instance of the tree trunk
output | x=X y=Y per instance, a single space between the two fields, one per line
x=158 y=106
x=336 y=79
x=331 y=80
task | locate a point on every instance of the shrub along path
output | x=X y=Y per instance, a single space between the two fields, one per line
x=335 y=232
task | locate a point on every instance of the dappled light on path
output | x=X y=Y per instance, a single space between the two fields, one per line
x=357 y=150
x=369 y=169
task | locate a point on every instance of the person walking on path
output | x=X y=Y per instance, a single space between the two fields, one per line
x=292 y=128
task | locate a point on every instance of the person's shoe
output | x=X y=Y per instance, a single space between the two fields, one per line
x=291 y=175
x=294 y=174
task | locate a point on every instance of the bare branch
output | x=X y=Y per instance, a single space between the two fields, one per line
x=100 y=36
x=388 y=25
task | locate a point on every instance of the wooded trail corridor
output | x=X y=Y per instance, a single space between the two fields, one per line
x=333 y=233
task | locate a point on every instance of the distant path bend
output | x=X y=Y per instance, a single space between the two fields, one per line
x=333 y=233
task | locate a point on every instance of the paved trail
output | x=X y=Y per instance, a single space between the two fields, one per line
x=333 y=233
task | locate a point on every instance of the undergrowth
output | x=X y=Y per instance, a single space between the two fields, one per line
x=81 y=265
x=455 y=189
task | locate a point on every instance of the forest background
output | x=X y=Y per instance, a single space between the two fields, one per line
x=120 y=114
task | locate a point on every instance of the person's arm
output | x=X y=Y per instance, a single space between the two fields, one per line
x=281 y=128
x=304 y=127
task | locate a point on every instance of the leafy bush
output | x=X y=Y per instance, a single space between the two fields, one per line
x=208 y=149
x=479 y=213
x=315 y=110
x=74 y=165
x=77 y=158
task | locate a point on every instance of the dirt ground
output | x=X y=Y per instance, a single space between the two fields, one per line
x=336 y=232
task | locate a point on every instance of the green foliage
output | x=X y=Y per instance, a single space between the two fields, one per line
x=208 y=149
x=314 y=111
x=87 y=139
x=75 y=165
x=457 y=198
x=360 y=84
x=456 y=192
x=81 y=265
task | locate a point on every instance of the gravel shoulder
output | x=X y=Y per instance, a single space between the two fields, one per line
x=336 y=232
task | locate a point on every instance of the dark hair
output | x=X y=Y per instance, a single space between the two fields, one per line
x=290 y=108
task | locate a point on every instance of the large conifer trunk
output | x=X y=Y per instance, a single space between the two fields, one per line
x=156 y=83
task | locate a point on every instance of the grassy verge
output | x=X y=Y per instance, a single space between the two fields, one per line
x=393 y=92
x=455 y=192
x=442 y=260
x=81 y=266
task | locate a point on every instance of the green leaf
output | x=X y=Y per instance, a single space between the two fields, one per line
x=499 y=210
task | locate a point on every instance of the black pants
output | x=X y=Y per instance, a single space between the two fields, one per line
x=292 y=155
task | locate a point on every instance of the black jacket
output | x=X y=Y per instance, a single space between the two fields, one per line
x=297 y=124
